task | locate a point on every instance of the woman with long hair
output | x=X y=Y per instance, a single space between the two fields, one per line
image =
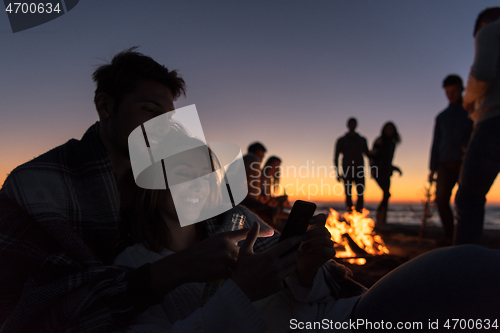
x=270 y=178
x=270 y=186
x=381 y=167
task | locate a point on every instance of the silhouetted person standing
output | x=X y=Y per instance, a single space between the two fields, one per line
x=381 y=166
x=451 y=134
x=352 y=146
x=482 y=160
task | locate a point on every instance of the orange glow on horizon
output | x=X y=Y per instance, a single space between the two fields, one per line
x=409 y=191
x=404 y=190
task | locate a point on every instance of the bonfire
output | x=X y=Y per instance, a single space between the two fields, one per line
x=354 y=236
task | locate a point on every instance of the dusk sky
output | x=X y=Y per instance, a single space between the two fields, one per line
x=286 y=73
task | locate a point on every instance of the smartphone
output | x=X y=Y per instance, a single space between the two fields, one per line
x=297 y=222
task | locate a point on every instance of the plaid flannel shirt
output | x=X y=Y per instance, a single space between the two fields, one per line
x=59 y=228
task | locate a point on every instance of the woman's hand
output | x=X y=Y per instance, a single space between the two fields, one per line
x=395 y=168
x=261 y=274
x=317 y=249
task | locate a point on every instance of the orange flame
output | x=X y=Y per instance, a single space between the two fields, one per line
x=360 y=228
x=357 y=261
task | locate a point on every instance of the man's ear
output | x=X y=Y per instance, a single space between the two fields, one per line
x=104 y=105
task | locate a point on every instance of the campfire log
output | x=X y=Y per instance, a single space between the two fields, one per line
x=354 y=247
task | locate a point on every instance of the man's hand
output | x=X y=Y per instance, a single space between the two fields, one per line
x=261 y=274
x=213 y=258
x=395 y=168
x=431 y=176
x=216 y=256
x=337 y=170
x=317 y=249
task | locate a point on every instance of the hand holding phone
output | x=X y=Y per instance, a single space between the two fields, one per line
x=297 y=222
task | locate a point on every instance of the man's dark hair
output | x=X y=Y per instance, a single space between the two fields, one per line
x=255 y=147
x=453 y=79
x=120 y=77
x=486 y=16
x=352 y=120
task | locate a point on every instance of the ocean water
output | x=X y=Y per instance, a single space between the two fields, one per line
x=410 y=214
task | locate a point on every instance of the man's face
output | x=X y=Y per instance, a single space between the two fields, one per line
x=260 y=154
x=149 y=100
x=352 y=125
x=454 y=93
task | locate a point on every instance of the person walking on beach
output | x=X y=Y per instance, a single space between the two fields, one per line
x=482 y=99
x=381 y=166
x=352 y=146
x=451 y=134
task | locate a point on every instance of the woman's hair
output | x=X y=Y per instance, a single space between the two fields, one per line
x=395 y=137
x=151 y=228
x=267 y=166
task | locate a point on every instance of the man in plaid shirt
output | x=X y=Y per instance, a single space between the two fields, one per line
x=65 y=215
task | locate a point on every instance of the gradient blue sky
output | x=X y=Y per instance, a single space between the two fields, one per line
x=287 y=73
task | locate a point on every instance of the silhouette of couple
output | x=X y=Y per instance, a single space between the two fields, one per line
x=353 y=146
